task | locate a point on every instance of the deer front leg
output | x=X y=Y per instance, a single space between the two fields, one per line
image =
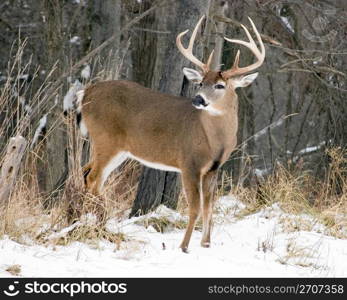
x=209 y=183
x=191 y=185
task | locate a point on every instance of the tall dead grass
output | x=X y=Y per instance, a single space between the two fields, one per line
x=26 y=217
x=299 y=192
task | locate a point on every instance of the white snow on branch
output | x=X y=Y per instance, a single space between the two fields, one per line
x=39 y=129
x=311 y=149
x=70 y=96
x=260 y=133
x=23 y=77
x=287 y=23
x=79 y=2
x=75 y=40
x=261 y=173
x=308 y=150
x=26 y=107
x=85 y=73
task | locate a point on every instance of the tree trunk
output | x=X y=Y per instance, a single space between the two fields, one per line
x=52 y=165
x=159 y=187
x=215 y=32
x=105 y=20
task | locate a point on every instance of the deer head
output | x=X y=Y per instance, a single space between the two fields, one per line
x=215 y=85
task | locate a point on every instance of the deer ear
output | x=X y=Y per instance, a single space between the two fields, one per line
x=244 y=81
x=192 y=75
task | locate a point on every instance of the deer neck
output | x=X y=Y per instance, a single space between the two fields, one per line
x=222 y=128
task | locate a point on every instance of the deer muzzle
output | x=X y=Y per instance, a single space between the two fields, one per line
x=199 y=101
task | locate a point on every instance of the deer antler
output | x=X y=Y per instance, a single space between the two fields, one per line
x=251 y=45
x=188 y=52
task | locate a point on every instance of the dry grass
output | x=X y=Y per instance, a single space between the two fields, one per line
x=299 y=193
x=26 y=220
x=14 y=270
x=30 y=215
x=305 y=257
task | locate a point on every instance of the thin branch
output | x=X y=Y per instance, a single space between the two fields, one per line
x=308 y=150
x=265 y=37
x=151 y=30
x=298 y=60
x=287 y=70
x=263 y=131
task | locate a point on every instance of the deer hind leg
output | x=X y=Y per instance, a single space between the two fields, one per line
x=191 y=184
x=209 y=183
x=98 y=170
x=86 y=170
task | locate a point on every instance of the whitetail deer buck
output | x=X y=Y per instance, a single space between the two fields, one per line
x=125 y=120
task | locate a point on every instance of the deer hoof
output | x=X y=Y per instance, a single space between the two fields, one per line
x=185 y=250
x=205 y=244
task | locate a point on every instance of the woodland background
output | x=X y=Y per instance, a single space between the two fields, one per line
x=288 y=117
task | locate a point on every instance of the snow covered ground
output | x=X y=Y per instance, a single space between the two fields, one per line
x=257 y=245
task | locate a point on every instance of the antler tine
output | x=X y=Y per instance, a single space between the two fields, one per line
x=259 y=54
x=209 y=61
x=237 y=59
x=262 y=47
x=195 y=31
x=188 y=52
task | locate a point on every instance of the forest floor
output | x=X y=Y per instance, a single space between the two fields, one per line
x=267 y=243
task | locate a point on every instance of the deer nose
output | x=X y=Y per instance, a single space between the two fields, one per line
x=199 y=100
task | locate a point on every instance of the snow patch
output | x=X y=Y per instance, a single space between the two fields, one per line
x=287 y=23
x=82 y=2
x=75 y=40
x=69 y=98
x=85 y=73
x=26 y=107
x=254 y=246
x=39 y=129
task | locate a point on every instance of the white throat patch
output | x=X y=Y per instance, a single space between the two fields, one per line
x=209 y=108
x=213 y=111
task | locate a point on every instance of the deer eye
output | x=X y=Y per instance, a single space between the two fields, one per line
x=219 y=86
x=200 y=84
